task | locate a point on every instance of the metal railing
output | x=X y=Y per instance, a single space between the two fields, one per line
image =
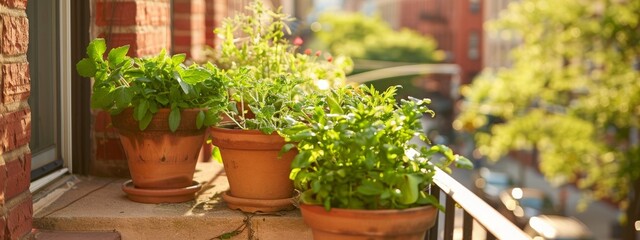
x=496 y=226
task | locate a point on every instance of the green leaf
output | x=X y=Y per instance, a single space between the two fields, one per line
x=162 y=99
x=200 y=119
x=178 y=58
x=143 y=123
x=141 y=109
x=185 y=87
x=102 y=98
x=426 y=199
x=96 y=49
x=294 y=172
x=174 y=119
x=215 y=154
x=301 y=160
x=409 y=189
x=334 y=106
x=287 y=147
x=211 y=118
x=123 y=97
x=307 y=197
x=463 y=162
x=370 y=188
x=86 y=67
x=153 y=107
x=118 y=55
x=302 y=135
x=194 y=75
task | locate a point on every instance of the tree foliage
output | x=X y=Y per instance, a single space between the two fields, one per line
x=573 y=93
x=363 y=37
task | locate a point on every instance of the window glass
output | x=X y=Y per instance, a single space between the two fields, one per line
x=44 y=71
x=474 y=44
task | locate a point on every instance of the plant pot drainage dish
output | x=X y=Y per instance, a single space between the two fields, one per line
x=162 y=110
x=151 y=195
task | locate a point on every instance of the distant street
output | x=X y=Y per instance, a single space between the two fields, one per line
x=598 y=216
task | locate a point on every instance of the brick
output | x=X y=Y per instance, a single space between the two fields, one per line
x=20 y=4
x=16 y=131
x=118 y=14
x=18 y=176
x=141 y=44
x=16 y=82
x=110 y=168
x=109 y=148
x=15 y=35
x=3 y=182
x=19 y=219
x=102 y=123
x=189 y=6
x=132 y=13
x=3 y=225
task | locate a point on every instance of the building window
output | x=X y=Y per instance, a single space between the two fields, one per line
x=474 y=43
x=474 y=6
x=49 y=68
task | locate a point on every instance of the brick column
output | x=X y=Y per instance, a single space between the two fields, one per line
x=216 y=11
x=15 y=122
x=189 y=27
x=145 y=26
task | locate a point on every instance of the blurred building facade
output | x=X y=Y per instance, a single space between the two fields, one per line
x=498 y=43
x=455 y=24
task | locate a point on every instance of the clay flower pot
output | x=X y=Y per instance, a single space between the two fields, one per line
x=159 y=159
x=343 y=224
x=258 y=177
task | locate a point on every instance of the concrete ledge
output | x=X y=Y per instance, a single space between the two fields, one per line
x=98 y=204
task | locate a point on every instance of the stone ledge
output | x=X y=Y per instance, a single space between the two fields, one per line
x=98 y=204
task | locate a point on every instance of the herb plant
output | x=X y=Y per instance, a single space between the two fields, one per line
x=270 y=83
x=356 y=152
x=148 y=84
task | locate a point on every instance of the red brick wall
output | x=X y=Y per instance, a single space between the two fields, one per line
x=464 y=23
x=189 y=27
x=215 y=13
x=15 y=122
x=145 y=26
x=450 y=22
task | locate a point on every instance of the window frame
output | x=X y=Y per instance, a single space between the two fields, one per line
x=64 y=135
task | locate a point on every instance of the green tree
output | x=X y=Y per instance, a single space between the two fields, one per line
x=572 y=94
x=362 y=37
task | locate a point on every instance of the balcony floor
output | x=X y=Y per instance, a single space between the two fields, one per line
x=99 y=204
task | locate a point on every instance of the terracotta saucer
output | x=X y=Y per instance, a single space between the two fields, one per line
x=147 y=195
x=258 y=205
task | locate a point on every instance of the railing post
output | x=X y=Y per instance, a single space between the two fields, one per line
x=432 y=234
x=467 y=225
x=450 y=213
x=475 y=208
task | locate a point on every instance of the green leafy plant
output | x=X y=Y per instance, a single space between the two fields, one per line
x=270 y=82
x=356 y=152
x=148 y=84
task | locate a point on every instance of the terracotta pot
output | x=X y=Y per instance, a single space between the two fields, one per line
x=337 y=224
x=157 y=157
x=252 y=165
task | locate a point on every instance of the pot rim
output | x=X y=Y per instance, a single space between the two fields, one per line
x=242 y=131
x=367 y=211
